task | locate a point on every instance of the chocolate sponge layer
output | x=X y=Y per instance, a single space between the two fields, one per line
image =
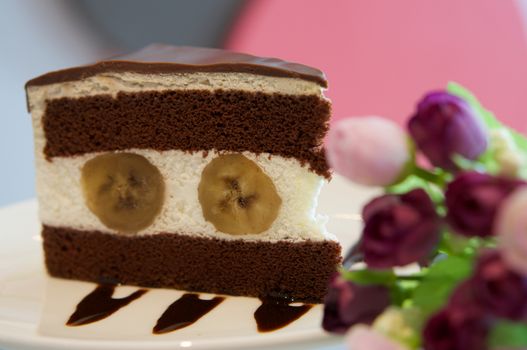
x=190 y=120
x=237 y=267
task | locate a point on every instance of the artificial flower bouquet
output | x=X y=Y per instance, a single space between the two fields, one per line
x=442 y=260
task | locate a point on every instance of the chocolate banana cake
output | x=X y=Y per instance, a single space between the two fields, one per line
x=188 y=168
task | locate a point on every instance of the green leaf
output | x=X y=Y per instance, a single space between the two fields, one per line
x=454 y=244
x=413 y=182
x=408 y=184
x=487 y=117
x=520 y=140
x=367 y=276
x=436 y=287
x=401 y=292
x=508 y=334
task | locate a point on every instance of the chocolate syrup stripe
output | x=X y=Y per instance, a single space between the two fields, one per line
x=272 y=314
x=276 y=313
x=184 y=312
x=99 y=304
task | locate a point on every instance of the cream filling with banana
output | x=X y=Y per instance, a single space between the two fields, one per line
x=124 y=190
x=60 y=189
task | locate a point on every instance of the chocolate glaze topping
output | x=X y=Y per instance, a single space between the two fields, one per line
x=159 y=58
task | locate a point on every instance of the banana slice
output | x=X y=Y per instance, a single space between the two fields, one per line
x=124 y=190
x=236 y=196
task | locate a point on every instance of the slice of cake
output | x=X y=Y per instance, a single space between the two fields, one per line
x=189 y=168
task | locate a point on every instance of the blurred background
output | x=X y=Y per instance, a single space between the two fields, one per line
x=380 y=56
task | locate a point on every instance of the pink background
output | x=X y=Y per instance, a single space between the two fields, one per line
x=380 y=56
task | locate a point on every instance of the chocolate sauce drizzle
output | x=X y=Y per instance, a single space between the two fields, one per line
x=99 y=304
x=276 y=313
x=184 y=312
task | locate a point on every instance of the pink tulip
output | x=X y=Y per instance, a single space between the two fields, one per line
x=371 y=151
x=362 y=337
x=511 y=227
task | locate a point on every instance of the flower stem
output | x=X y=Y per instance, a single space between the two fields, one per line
x=429 y=176
x=353 y=256
x=410 y=278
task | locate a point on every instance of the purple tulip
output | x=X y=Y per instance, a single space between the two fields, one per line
x=473 y=199
x=454 y=329
x=445 y=125
x=347 y=304
x=464 y=323
x=494 y=291
x=497 y=289
x=399 y=229
x=463 y=298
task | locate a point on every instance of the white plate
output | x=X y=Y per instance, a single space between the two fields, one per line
x=34 y=307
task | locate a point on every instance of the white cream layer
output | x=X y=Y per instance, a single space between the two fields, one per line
x=112 y=83
x=62 y=203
